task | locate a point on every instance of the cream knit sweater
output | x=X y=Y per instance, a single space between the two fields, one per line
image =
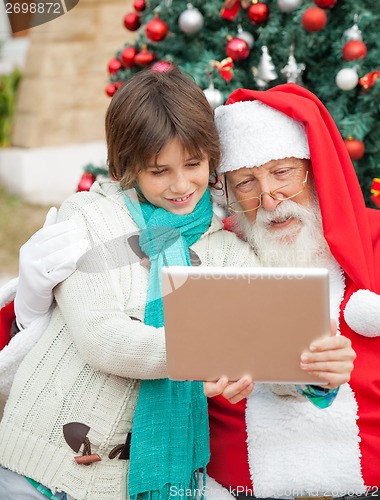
x=87 y=365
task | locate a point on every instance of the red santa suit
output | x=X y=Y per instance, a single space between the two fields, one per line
x=278 y=444
x=7 y=316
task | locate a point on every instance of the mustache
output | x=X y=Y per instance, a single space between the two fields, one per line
x=284 y=210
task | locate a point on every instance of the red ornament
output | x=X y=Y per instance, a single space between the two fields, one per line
x=237 y=49
x=144 y=57
x=139 y=5
x=368 y=80
x=114 y=65
x=110 y=89
x=325 y=4
x=355 y=148
x=162 y=66
x=354 y=49
x=156 y=29
x=258 y=13
x=128 y=56
x=231 y=8
x=132 y=21
x=314 y=19
x=86 y=181
x=375 y=191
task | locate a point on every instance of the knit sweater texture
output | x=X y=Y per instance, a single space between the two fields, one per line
x=88 y=363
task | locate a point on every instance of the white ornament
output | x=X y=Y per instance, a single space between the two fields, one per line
x=266 y=71
x=354 y=33
x=246 y=36
x=214 y=96
x=191 y=20
x=293 y=71
x=289 y=5
x=347 y=78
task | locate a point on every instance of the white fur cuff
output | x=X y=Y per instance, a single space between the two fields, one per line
x=362 y=313
x=8 y=292
x=12 y=354
x=215 y=491
x=19 y=346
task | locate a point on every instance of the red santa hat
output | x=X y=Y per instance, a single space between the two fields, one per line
x=346 y=220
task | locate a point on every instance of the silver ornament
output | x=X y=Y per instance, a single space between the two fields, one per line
x=246 y=36
x=347 y=78
x=354 y=33
x=214 y=96
x=191 y=20
x=293 y=71
x=266 y=71
x=289 y=5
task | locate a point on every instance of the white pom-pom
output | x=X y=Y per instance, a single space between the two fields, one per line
x=362 y=313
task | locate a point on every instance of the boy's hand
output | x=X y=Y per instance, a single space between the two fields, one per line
x=233 y=391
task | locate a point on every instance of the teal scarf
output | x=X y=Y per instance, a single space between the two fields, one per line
x=170 y=437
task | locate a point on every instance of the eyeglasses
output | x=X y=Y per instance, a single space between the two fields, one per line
x=277 y=194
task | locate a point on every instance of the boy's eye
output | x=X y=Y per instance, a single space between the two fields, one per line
x=193 y=164
x=158 y=172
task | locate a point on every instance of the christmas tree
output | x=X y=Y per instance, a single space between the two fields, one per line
x=329 y=46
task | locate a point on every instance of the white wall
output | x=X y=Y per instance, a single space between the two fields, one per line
x=48 y=175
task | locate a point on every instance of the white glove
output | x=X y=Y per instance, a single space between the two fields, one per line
x=46 y=259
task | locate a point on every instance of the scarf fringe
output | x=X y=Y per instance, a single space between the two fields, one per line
x=194 y=491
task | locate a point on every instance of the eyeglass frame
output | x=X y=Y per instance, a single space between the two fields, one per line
x=270 y=193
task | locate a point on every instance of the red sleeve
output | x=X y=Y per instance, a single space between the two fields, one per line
x=228 y=443
x=7 y=316
x=374 y=220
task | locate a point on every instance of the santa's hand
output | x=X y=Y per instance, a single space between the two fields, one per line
x=233 y=391
x=331 y=359
x=46 y=259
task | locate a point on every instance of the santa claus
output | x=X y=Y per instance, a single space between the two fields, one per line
x=296 y=199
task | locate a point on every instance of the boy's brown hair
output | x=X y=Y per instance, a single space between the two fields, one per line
x=150 y=110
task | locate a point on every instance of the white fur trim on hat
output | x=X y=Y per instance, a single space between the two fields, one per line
x=362 y=313
x=252 y=133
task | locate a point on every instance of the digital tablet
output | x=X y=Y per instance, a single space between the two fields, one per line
x=222 y=321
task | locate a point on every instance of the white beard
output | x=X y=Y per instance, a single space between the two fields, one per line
x=301 y=245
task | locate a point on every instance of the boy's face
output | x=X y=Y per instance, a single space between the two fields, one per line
x=177 y=182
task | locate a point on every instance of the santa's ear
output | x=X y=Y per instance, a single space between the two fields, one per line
x=362 y=313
